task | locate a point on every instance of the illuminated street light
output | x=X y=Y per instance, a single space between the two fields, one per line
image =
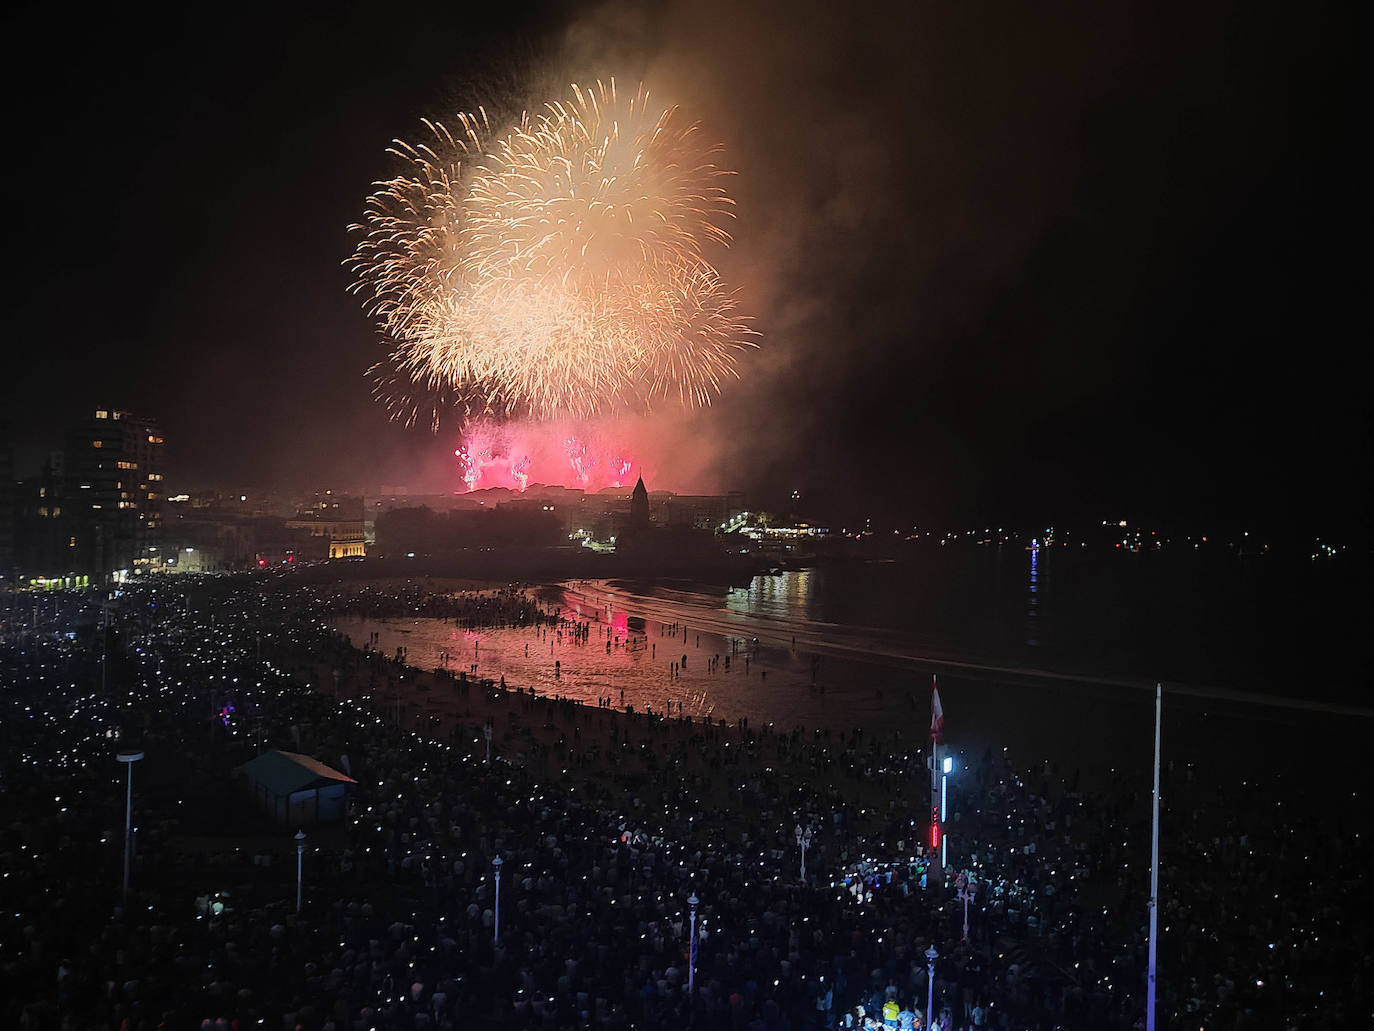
x=946 y=770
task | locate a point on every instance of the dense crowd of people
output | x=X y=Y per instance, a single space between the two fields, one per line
x=606 y=825
x=501 y=607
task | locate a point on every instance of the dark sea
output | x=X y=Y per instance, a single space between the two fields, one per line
x=1300 y=629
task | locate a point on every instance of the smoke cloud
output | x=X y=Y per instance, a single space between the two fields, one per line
x=864 y=235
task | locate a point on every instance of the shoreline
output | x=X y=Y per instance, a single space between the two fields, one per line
x=1096 y=724
x=900 y=660
x=624 y=601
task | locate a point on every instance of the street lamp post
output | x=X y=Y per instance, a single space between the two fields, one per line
x=803 y=842
x=128 y=757
x=496 y=923
x=104 y=647
x=692 y=903
x=967 y=887
x=300 y=865
x=946 y=770
x=931 y=957
x=486 y=732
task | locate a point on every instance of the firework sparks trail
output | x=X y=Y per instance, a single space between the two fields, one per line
x=582 y=465
x=520 y=472
x=558 y=270
x=470 y=467
x=516 y=453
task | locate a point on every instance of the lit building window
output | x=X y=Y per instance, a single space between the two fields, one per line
x=102 y=415
x=97 y=443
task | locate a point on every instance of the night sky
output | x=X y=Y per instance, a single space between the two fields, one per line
x=1008 y=263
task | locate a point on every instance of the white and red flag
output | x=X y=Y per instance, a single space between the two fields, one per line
x=937 y=713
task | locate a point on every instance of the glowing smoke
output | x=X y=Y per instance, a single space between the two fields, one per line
x=515 y=454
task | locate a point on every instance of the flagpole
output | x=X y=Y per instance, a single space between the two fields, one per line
x=1154 y=874
x=935 y=727
x=934 y=795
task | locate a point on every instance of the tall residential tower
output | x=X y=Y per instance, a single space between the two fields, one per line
x=114 y=466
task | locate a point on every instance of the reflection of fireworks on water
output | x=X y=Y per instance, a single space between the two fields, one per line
x=558 y=270
x=515 y=454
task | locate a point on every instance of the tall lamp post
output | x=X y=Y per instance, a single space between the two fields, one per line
x=692 y=903
x=496 y=923
x=803 y=843
x=128 y=757
x=486 y=732
x=945 y=771
x=967 y=887
x=104 y=647
x=300 y=865
x=931 y=957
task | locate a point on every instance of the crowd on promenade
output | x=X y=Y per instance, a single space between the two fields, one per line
x=606 y=824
